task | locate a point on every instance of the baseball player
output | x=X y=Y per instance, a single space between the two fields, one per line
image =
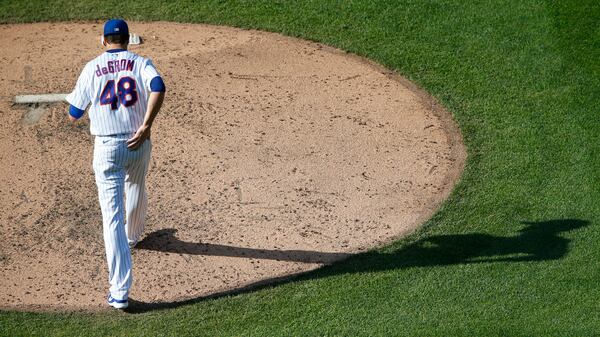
x=125 y=92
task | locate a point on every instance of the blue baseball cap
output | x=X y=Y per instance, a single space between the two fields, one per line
x=116 y=27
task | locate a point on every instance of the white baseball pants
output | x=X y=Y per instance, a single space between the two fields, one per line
x=120 y=171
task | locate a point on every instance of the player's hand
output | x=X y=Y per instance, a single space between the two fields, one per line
x=139 y=138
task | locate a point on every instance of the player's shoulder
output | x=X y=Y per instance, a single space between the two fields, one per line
x=90 y=65
x=96 y=60
x=142 y=60
x=102 y=58
x=131 y=54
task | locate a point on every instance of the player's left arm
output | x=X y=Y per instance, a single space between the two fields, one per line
x=75 y=113
x=157 y=95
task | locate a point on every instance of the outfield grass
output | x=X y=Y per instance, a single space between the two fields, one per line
x=513 y=252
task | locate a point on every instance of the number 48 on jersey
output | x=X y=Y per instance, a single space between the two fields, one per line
x=124 y=92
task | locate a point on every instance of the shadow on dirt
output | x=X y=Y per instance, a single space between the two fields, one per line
x=537 y=241
x=164 y=240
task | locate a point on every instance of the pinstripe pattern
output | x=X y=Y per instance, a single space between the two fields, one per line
x=103 y=120
x=119 y=171
x=137 y=201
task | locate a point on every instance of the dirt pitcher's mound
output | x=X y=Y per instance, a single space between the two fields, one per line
x=272 y=156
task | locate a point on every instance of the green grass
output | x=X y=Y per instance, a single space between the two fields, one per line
x=522 y=79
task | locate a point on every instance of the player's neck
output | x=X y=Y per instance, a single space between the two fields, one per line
x=112 y=46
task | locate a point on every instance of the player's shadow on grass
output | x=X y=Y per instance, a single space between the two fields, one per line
x=537 y=241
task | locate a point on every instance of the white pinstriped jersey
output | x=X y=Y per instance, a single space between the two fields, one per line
x=117 y=84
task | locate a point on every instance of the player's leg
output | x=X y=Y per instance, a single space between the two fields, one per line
x=135 y=190
x=110 y=176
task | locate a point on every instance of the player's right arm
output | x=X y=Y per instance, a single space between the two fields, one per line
x=79 y=99
x=154 y=82
x=154 y=103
